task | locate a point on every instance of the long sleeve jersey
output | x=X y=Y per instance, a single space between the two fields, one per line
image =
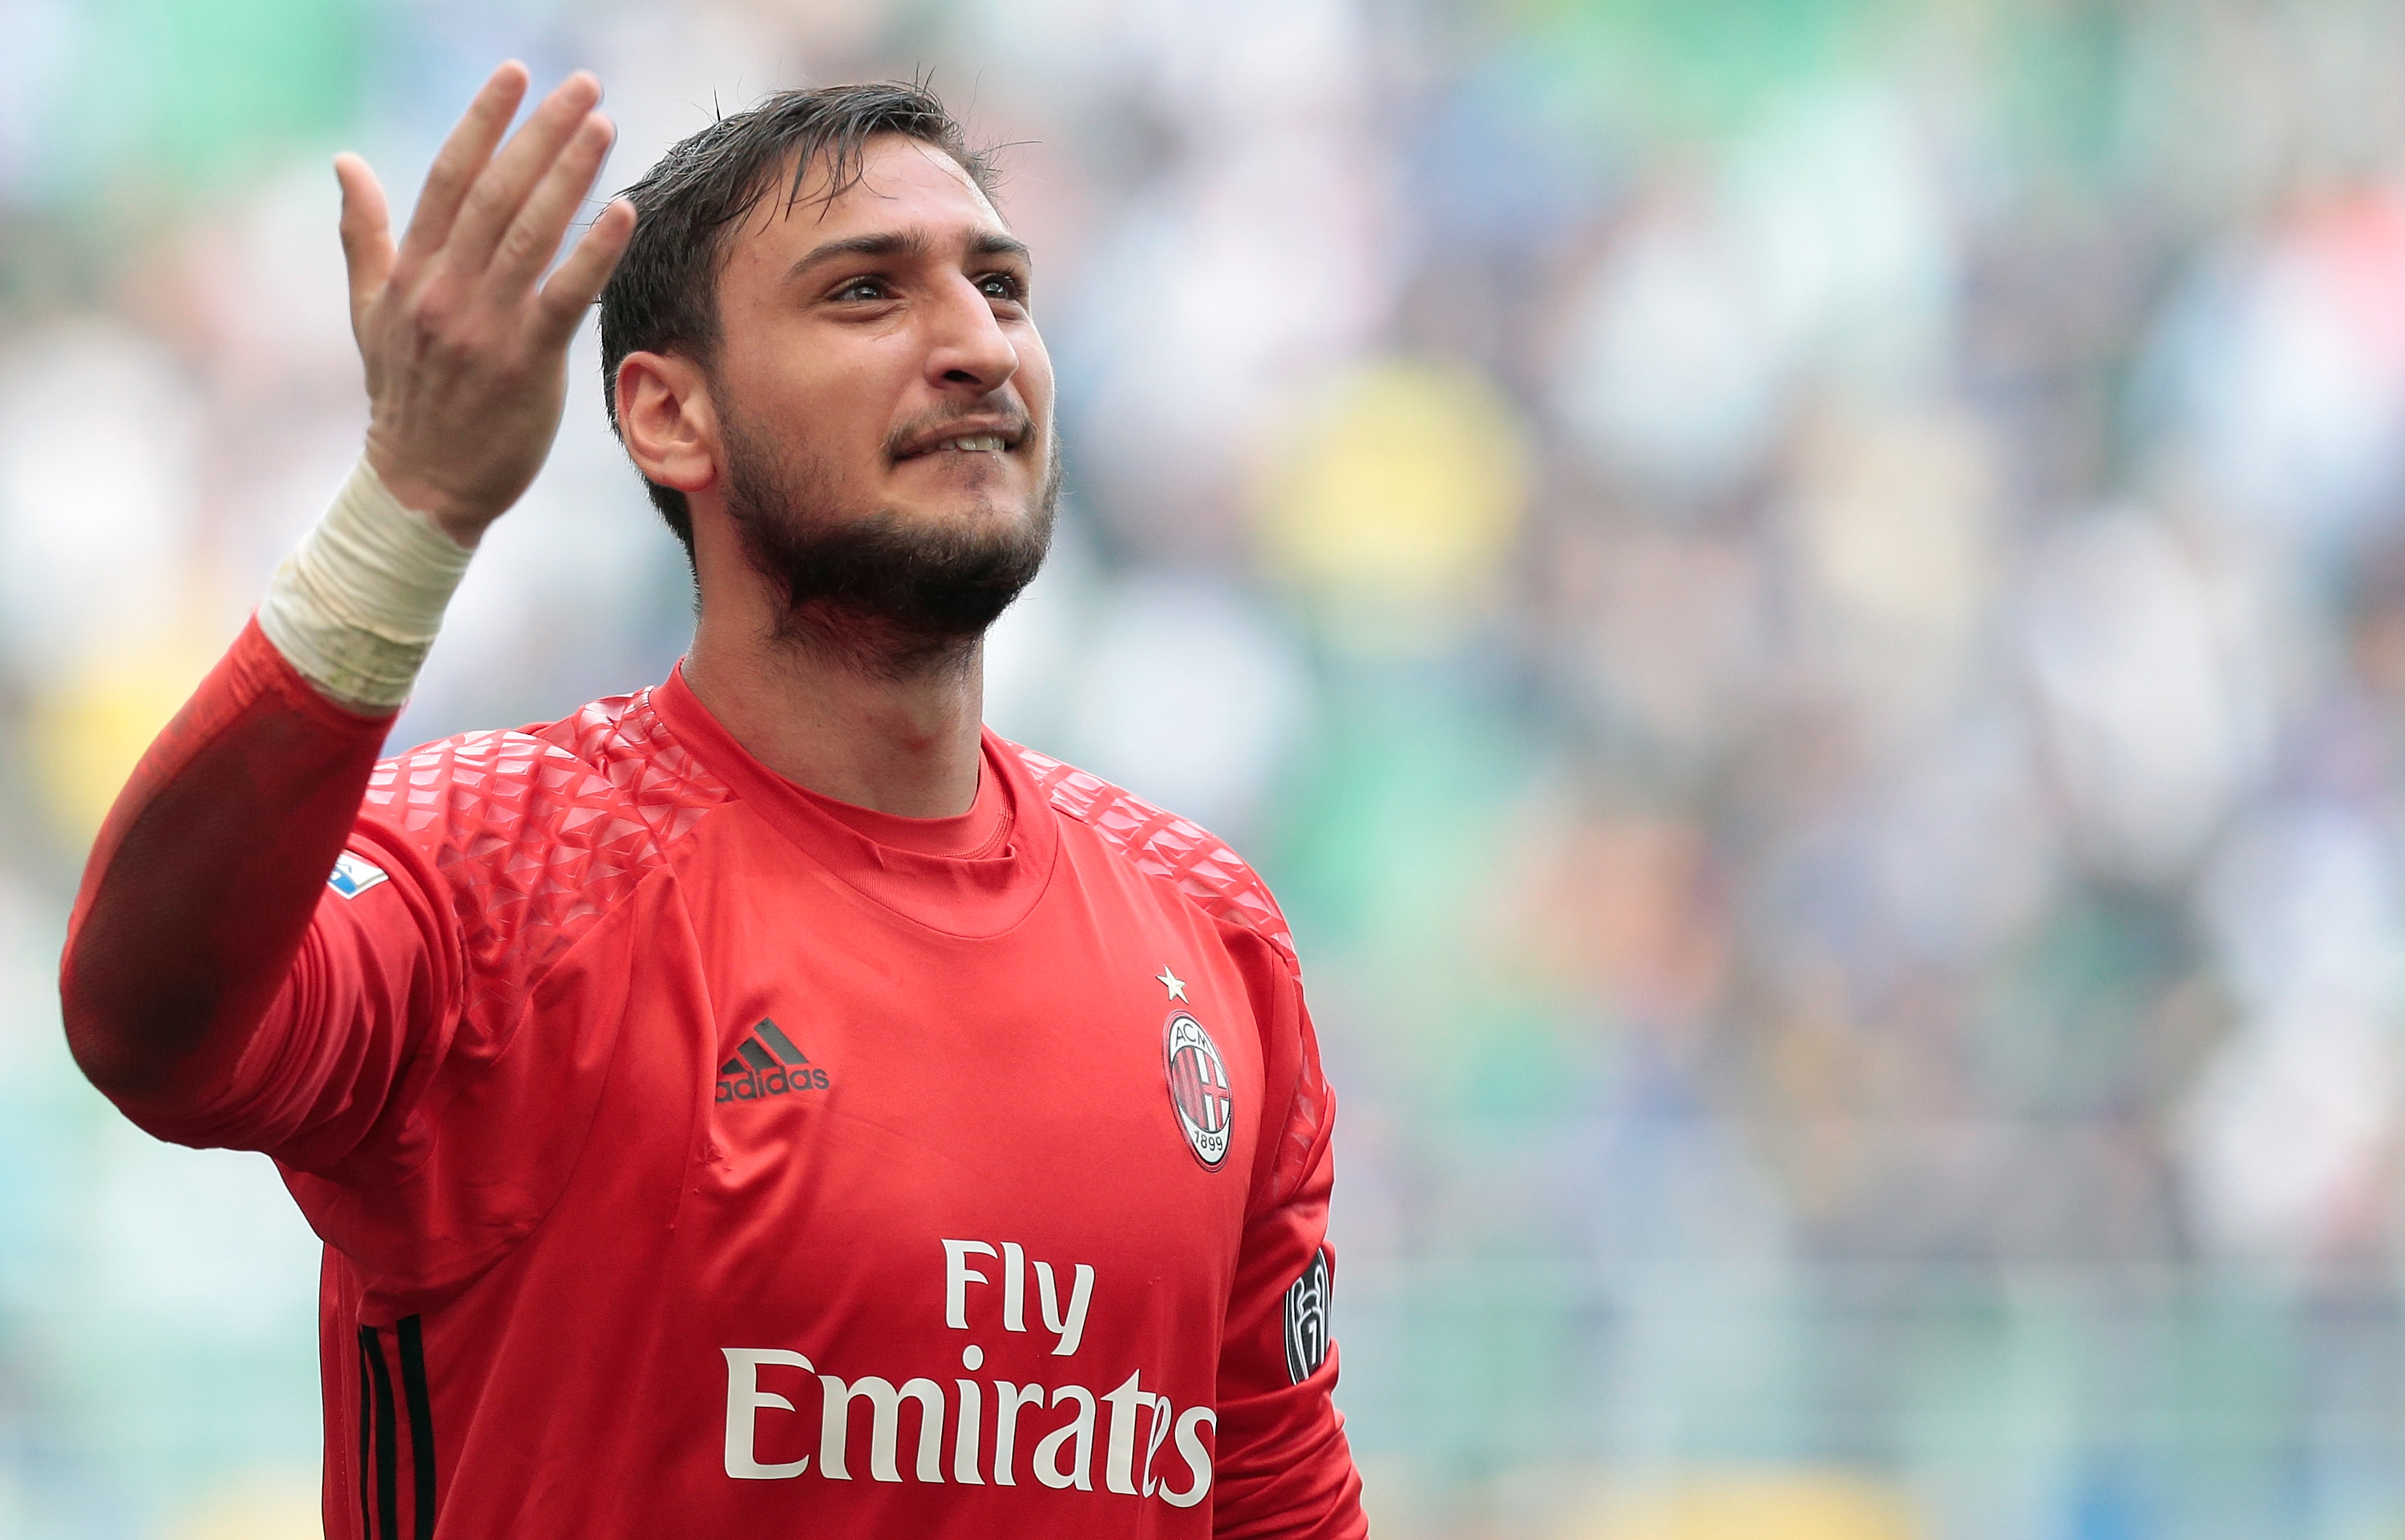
x=691 y=1160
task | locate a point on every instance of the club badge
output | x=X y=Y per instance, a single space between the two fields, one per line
x=1198 y=1092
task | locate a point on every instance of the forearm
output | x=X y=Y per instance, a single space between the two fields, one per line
x=201 y=889
x=203 y=882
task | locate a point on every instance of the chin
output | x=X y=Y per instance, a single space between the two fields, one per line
x=967 y=506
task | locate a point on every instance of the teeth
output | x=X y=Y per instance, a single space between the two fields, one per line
x=973 y=441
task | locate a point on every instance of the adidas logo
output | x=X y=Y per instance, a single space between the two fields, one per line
x=767 y=1063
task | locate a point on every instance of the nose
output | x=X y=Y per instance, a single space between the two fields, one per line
x=968 y=354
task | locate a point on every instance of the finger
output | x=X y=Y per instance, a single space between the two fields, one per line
x=534 y=235
x=366 y=228
x=463 y=155
x=578 y=281
x=492 y=202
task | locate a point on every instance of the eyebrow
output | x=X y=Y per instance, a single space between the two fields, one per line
x=904 y=243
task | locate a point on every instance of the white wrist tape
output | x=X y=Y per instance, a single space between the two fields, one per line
x=356 y=608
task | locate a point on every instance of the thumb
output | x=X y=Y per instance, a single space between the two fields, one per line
x=367 y=231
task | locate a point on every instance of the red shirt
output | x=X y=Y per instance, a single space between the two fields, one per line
x=696 y=1157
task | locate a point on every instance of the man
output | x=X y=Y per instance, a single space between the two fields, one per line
x=766 y=1104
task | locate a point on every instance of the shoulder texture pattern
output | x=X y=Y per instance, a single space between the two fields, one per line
x=1161 y=844
x=538 y=832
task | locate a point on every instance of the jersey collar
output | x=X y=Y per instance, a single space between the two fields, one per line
x=972 y=896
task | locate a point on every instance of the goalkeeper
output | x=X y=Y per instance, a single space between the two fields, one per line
x=769 y=1103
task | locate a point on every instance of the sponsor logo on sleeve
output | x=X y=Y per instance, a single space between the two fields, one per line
x=1306 y=1319
x=355 y=874
x=1199 y=1092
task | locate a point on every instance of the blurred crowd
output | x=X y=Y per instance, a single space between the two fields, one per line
x=1802 y=600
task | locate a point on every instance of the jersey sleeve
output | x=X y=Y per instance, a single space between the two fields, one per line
x=215 y=985
x=333 y=1078
x=361 y=1030
x=1283 y=1466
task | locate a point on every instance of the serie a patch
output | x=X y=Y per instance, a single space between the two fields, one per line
x=355 y=874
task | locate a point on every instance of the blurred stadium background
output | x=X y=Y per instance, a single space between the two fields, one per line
x=1805 y=601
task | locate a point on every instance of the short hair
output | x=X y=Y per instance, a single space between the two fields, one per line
x=664 y=295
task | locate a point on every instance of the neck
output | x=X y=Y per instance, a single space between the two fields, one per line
x=902 y=741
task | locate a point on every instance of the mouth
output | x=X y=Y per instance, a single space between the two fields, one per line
x=985 y=439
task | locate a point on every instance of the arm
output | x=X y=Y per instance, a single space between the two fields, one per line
x=1283 y=1466
x=201 y=886
x=207 y=872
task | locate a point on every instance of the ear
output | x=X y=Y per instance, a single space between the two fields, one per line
x=668 y=420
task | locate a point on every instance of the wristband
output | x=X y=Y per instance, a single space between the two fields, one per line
x=355 y=609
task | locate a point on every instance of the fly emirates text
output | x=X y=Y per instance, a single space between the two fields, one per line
x=1147 y=1448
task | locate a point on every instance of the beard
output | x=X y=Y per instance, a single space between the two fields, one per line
x=885 y=595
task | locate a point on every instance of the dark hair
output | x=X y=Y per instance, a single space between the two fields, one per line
x=664 y=295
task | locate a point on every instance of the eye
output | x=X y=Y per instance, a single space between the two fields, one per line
x=1002 y=286
x=863 y=289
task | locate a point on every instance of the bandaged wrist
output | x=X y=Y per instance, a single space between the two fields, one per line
x=356 y=608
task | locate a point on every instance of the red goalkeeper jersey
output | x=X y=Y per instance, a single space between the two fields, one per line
x=692 y=1162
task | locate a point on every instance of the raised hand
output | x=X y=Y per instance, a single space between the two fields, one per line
x=465 y=343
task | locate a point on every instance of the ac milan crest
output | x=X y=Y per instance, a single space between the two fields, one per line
x=1198 y=1089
